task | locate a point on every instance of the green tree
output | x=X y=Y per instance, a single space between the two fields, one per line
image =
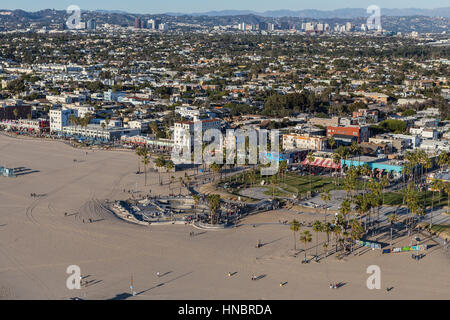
x=214 y=205
x=317 y=227
x=295 y=227
x=306 y=238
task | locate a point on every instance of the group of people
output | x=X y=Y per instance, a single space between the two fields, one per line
x=334 y=286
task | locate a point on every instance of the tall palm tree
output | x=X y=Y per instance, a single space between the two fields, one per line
x=305 y=237
x=145 y=162
x=311 y=159
x=139 y=153
x=337 y=231
x=384 y=183
x=436 y=185
x=180 y=179
x=355 y=149
x=214 y=205
x=327 y=228
x=159 y=163
x=331 y=142
x=273 y=182
x=443 y=160
x=337 y=160
x=392 y=218
x=356 y=231
x=169 y=166
x=326 y=196
x=447 y=191
x=345 y=208
x=295 y=227
x=172 y=180
x=317 y=227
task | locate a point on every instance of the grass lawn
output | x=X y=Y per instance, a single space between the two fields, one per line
x=396 y=198
x=290 y=184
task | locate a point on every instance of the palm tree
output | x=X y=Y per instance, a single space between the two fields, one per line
x=317 y=227
x=172 y=180
x=282 y=169
x=337 y=160
x=273 y=182
x=331 y=142
x=214 y=205
x=327 y=228
x=350 y=181
x=145 y=162
x=103 y=125
x=139 y=153
x=159 y=163
x=305 y=237
x=196 y=199
x=384 y=184
x=326 y=196
x=337 y=230
x=311 y=159
x=436 y=185
x=215 y=169
x=363 y=205
x=345 y=208
x=392 y=218
x=447 y=191
x=443 y=160
x=169 y=166
x=355 y=149
x=356 y=231
x=295 y=227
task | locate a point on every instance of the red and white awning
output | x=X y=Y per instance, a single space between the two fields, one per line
x=322 y=162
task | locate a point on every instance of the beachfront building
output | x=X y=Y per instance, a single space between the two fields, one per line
x=150 y=142
x=97 y=132
x=379 y=165
x=183 y=136
x=31 y=125
x=7 y=110
x=346 y=135
x=59 y=118
x=299 y=141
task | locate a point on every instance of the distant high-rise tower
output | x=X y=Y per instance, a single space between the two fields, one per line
x=91 y=24
x=137 y=23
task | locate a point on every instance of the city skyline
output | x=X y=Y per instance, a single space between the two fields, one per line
x=199 y=6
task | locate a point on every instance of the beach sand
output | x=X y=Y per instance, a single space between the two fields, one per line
x=38 y=242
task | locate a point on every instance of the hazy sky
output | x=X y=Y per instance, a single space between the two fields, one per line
x=189 y=6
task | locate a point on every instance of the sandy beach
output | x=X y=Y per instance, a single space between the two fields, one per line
x=38 y=242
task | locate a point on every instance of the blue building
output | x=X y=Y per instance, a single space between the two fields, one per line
x=381 y=165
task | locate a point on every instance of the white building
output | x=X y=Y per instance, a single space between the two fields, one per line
x=298 y=141
x=184 y=131
x=95 y=131
x=59 y=118
x=187 y=112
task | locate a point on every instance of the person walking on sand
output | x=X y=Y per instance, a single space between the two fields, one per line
x=158 y=274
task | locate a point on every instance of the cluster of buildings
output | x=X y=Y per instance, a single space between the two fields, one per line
x=152 y=24
x=127 y=93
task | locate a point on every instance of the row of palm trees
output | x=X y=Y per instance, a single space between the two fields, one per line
x=343 y=232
